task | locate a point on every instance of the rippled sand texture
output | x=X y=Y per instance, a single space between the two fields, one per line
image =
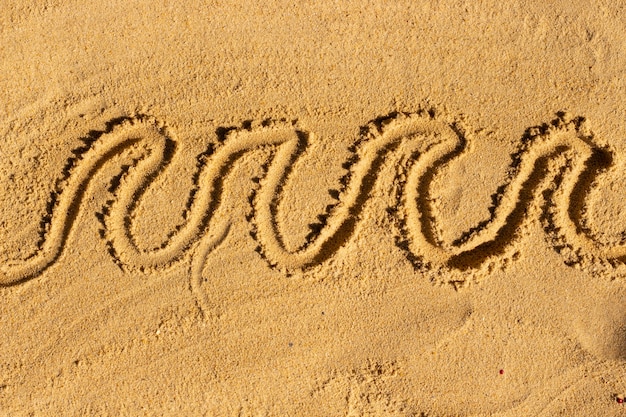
x=312 y=209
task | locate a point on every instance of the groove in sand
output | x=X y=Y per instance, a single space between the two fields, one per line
x=434 y=143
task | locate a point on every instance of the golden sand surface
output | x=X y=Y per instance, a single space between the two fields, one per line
x=314 y=208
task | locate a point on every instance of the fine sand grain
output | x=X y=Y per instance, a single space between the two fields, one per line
x=312 y=208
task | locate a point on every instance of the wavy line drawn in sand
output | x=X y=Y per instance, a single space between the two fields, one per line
x=434 y=142
x=65 y=200
x=205 y=198
x=493 y=242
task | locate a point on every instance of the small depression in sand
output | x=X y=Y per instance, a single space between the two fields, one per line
x=601 y=325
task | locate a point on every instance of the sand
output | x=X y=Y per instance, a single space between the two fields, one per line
x=312 y=208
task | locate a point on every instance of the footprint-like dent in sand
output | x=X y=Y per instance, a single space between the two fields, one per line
x=600 y=325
